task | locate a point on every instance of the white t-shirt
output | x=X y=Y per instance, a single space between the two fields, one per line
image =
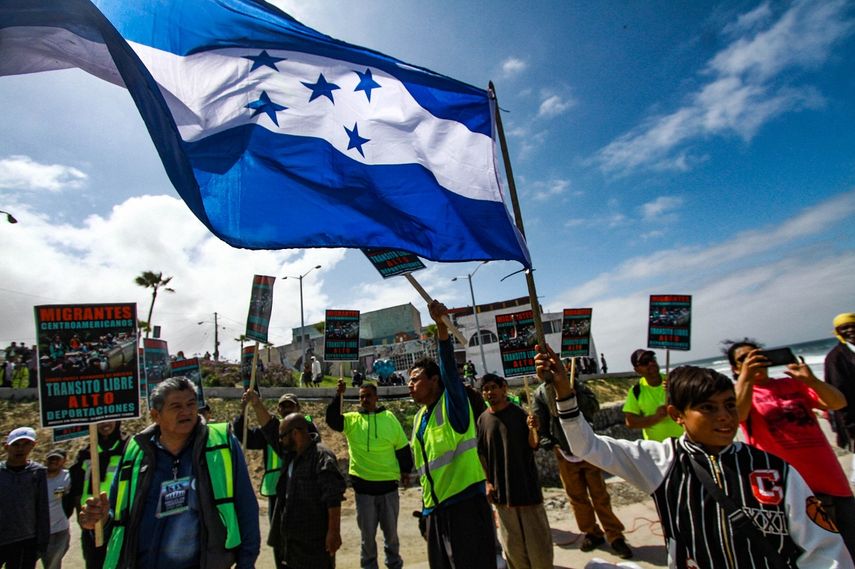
x=58 y=486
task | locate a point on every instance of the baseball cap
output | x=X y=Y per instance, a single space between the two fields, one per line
x=638 y=354
x=290 y=398
x=21 y=433
x=57 y=452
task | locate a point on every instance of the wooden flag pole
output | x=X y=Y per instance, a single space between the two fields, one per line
x=512 y=190
x=457 y=334
x=95 y=472
x=251 y=387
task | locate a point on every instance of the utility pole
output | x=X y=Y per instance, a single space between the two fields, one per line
x=217 y=339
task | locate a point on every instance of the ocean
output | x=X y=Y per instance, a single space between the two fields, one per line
x=813 y=352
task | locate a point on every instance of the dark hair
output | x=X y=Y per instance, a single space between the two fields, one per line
x=369 y=386
x=729 y=348
x=492 y=378
x=167 y=386
x=429 y=365
x=689 y=385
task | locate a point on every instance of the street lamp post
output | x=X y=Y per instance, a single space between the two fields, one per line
x=475 y=312
x=9 y=217
x=216 y=337
x=302 y=321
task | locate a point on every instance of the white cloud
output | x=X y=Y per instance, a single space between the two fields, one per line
x=546 y=190
x=662 y=205
x=554 y=105
x=97 y=261
x=513 y=66
x=736 y=289
x=745 y=90
x=23 y=173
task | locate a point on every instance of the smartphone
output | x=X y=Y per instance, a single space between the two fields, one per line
x=779 y=356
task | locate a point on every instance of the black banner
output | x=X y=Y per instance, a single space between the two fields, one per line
x=88 y=363
x=155 y=364
x=576 y=332
x=260 y=308
x=670 y=322
x=192 y=370
x=517 y=339
x=62 y=434
x=341 y=336
x=393 y=262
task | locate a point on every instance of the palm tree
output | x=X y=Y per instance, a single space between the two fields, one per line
x=156 y=282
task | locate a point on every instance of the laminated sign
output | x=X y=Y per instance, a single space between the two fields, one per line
x=341 y=336
x=88 y=363
x=517 y=339
x=670 y=322
x=576 y=332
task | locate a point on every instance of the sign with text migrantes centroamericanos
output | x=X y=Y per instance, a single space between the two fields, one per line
x=88 y=363
x=341 y=336
x=516 y=342
x=669 y=324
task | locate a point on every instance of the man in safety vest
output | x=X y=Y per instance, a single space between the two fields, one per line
x=182 y=496
x=459 y=520
x=379 y=455
x=111 y=445
x=255 y=439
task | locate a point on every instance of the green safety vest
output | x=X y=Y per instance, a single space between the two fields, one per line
x=448 y=462
x=218 y=456
x=107 y=477
x=272 y=467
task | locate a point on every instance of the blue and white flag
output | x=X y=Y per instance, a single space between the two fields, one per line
x=278 y=136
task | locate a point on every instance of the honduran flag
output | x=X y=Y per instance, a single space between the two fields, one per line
x=278 y=136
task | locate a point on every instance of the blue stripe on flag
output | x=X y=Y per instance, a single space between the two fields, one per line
x=348 y=203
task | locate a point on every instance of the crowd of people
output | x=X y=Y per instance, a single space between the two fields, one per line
x=179 y=494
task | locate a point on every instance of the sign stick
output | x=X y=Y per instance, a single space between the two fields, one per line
x=428 y=299
x=341 y=378
x=251 y=387
x=667 y=361
x=573 y=372
x=95 y=469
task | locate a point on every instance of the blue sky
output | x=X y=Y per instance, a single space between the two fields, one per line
x=659 y=147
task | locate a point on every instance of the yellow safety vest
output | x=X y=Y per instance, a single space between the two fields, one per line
x=106 y=477
x=272 y=467
x=448 y=462
x=218 y=456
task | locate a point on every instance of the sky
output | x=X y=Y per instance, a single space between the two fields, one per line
x=657 y=148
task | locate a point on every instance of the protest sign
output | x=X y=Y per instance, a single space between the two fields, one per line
x=393 y=262
x=62 y=434
x=576 y=332
x=155 y=364
x=192 y=370
x=88 y=364
x=260 y=308
x=247 y=355
x=341 y=335
x=517 y=339
x=670 y=321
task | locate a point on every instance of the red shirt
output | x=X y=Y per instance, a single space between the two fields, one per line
x=782 y=422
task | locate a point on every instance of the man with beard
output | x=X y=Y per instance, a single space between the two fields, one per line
x=306 y=529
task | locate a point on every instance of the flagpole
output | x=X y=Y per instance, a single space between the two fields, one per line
x=251 y=387
x=512 y=190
